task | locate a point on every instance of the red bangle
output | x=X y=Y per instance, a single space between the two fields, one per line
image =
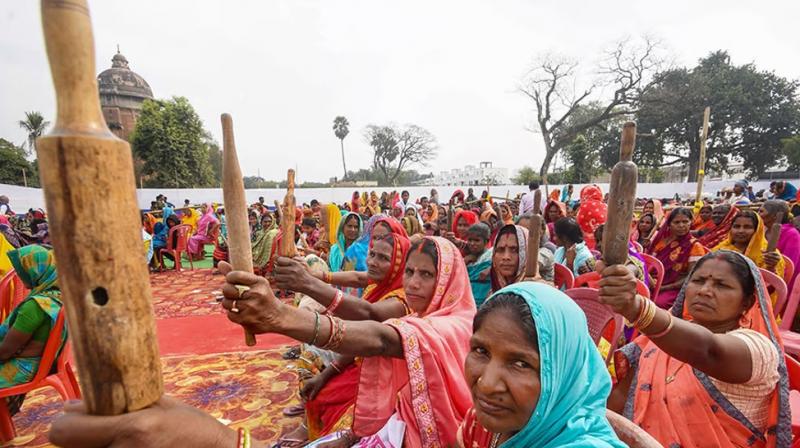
x=337 y=300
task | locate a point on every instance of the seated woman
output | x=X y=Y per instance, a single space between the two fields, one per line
x=462 y=221
x=644 y=229
x=190 y=217
x=678 y=251
x=203 y=234
x=749 y=238
x=710 y=371
x=264 y=238
x=572 y=252
x=554 y=211
x=161 y=232
x=703 y=223
x=478 y=259
x=789 y=242
x=25 y=331
x=350 y=228
x=654 y=207
x=547 y=388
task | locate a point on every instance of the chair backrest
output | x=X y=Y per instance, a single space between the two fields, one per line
x=562 y=277
x=182 y=240
x=788 y=270
x=787 y=318
x=592 y=279
x=50 y=349
x=629 y=433
x=6 y=294
x=213 y=231
x=656 y=269
x=598 y=316
x=775 y=285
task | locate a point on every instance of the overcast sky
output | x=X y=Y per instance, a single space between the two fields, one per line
x=285 y=69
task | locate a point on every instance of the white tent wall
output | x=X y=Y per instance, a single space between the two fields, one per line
x=23 y=198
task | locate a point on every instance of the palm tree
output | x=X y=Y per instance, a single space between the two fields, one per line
x=35 y=124
x=341 y=129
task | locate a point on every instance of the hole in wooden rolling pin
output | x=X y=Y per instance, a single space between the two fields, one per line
x=100 y=296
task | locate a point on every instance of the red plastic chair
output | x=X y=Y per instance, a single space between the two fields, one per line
x=791 y=340
x=12 y=293
x=592 y=279
x=181 y=246
x=775 y=285
x=63 y=381
x=656 y=269
x=562 y=277
x=793 y=370
x=788 y=270
x=598 y=316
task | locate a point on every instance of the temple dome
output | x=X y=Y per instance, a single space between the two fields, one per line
x=121 y=80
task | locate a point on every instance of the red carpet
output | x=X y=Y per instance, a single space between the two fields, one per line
x=200 y=335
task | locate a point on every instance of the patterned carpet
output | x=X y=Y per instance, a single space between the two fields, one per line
x=249 y=389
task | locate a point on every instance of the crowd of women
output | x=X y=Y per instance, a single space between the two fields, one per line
x=418 y=326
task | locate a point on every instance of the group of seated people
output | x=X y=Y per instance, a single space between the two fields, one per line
x=434 y=337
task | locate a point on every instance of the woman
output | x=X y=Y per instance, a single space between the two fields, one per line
x=348 y=232
x=710 y=371
x=702 y=222
x=592 y=213
x=161 y=230
x=431 y=213
x=554 y=211
x=26 y=330
x=789 y=241
x=748 y=237
x=572 y=252
x=9 y=233
x=509 y=255
x=654 y=207
x=722 y=216
x=355 y=203
x=191 y=218
x=462 y=221
x=678 y=251
x=203 y=235
x=264 y=239
x=644 y=230
x=411 y=224
x=489 y=217
x=548 y=388
x=397 y=212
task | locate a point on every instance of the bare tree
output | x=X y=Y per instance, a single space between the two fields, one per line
x=395 y=148
x=627 y=70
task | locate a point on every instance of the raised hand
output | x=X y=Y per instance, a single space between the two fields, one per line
x=249 y=301
x=291 y=274
x=771 y=260
x=618 y=290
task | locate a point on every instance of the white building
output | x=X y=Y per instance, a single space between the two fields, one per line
x=484 y=174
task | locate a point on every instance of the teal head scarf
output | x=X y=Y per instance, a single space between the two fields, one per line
x=571 y=411
x=336 y=256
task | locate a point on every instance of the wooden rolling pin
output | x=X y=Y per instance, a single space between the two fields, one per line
x=621 y=199
x=287 y=247
x=240 y=252
x=90 y=192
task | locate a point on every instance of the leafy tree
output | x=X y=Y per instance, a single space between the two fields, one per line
x=751 y=112
x=341 y=127
x=173 y=147
x=583 y=160
x=14 y=162
x=214 y=159
x=791 y=149
x=395 y=148
x=525 y=176
x=258 y=182
x=35 y=125
x=626 y=72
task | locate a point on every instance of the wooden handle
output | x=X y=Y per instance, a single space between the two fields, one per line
x=240 y=251
x=537 y=202
x=90 y=193
x=287 y=247
x=621 y=199
x=774 y=233
x=449 y=218
x=534 y=238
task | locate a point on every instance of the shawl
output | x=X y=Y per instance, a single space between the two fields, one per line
x=411 y=225
x=480 y=288
x=562 y=208
x=566 y=195
x=755 y=248
x=333 y=216
x=336 y=257
x=691 y=411
x=592 y=214
x=699 y=224
x=9 y=232
x=355 y=203
x=717 y=234
x=206 y=220
x=459 y=195
x=356 y=254
x=554 y=195
x=672 y=252
x=432 y=215
x=426 y=389
x=468 y=216
x=658 y=210
x=392 y=284
x=397 y=212
x=191 y=218
x=571 y=410
x=263 y=244
x=635 y=236
x=521 y=233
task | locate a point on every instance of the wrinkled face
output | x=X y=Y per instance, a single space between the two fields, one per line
x=419 y=281
x=742 y=230
x=714 y=294
x=505 y=257
x=502 y=371
x=475 y=244
x=705 y=213
x=351 y=229
x=719 y=212
x=553 y=213
x=461 y=227
x=379 y=260
x=679 y=226
x=645 y=225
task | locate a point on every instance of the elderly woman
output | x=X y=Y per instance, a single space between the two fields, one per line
x=203 y=235
x=710 y=371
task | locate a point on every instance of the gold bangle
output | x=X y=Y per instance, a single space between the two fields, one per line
x=666 y=330
x=647 y=316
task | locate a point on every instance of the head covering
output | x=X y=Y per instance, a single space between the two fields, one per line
x=674 y=255
x=719 y=232
x=36 y=267
x=166 y=212
x=699 y=224
x=658 y=210
x=592 y=214
x=207 y=219
x=673 y=413
x=458 y=195
x=521 y=233
x=397 y=211
x=426 y=389
x=337 y=255
x=555 y=195
x=332 y=216
x=571 y=410
x=755 y=248
x=411 y=225
x=356 y=254
x=394 y=278
x=468 y=216
x=432 y=215
x=635 y=236
x=562 y=208
x=741 y=183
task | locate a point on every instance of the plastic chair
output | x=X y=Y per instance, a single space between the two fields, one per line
x=629 y=433
x=654 y=266
x=591 y=279
x=791 y=340
x=788 y=270
x=793 y=371
x=775 y=285
x=562 y=277
x=63 y=381
x=12 y=293
x=598 y=316
x=213 y=234
x=180 y=247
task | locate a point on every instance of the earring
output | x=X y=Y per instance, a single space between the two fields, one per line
x=480 y=378
x=744 y=321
